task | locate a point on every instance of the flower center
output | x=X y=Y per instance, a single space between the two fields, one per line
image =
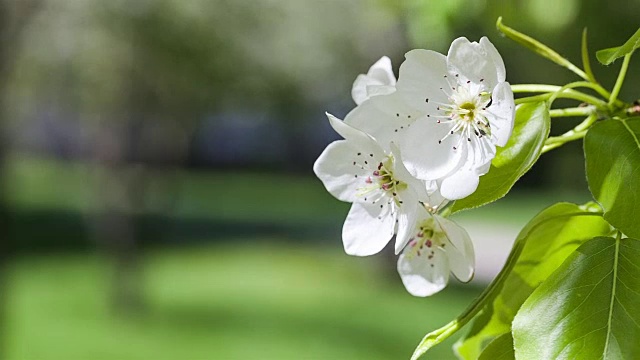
x=381 y=183
x=425 y=241
x=466 y=111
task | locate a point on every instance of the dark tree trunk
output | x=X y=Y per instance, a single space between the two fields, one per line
x=120 y=192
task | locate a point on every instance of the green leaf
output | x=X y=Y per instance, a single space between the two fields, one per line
x=588 y=309
x=539 y=48
x=499 y=349
x=607 y=56
x=549 y=238
x=612 y=152
x=530 y=130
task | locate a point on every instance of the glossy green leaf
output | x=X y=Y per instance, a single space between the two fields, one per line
x=607 y=56
x=612 y=152
x=588 y=309
x=499 y=349
x=549 y=238
x=531 y=129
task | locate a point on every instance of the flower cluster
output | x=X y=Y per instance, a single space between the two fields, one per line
x=411 y=147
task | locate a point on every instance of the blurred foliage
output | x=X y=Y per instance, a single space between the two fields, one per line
x=194 y=205
x=164 y=68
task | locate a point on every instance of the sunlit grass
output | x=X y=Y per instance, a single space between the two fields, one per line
x=268 y=300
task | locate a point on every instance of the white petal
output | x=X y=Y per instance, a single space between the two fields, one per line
x=492 y=52
x=384 y=117
x=422 y=75
x=503 y=110
x=358 y=139
x=434 y=194
x=400 y=172
x=424 y=156
x=422 y=276
x=407 y=217
x=475 y=61
x=461 y=255
x=335 y=169
x=380 y=75
x=359 y=89
x=382 y=72
x=367 y=229
x=460 y=184
x=375 y=90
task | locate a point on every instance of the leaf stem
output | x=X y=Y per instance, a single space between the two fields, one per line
x=539 y=48
x=570 y=135
x=547 y=148
x=586 y=63
x=576 y=133
x=621 y=75
x=559 y=92
x=595 y=101
x=533 y=88
x=576 y=111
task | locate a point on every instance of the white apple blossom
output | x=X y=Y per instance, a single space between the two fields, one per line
x=437 y=246
x=379 y=80
x=447 y=115
x=385 y=196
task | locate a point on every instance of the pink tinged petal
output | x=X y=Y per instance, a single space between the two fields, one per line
x=367 y=229
x=407 y=218
x=358 y=139
x=426 y=154
x=338 y=170
x=503 y=113
x=460 y=184
x=379 y=80
x=421 y=77
x=476 y=62
x=461 y=255
x=384 y=117
x=424 y=276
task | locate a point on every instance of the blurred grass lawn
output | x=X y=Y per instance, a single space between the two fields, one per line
x=245 y=297
x=266 y=301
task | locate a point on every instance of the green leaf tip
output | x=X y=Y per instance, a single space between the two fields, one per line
x=539 y=48
x=608 y=56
